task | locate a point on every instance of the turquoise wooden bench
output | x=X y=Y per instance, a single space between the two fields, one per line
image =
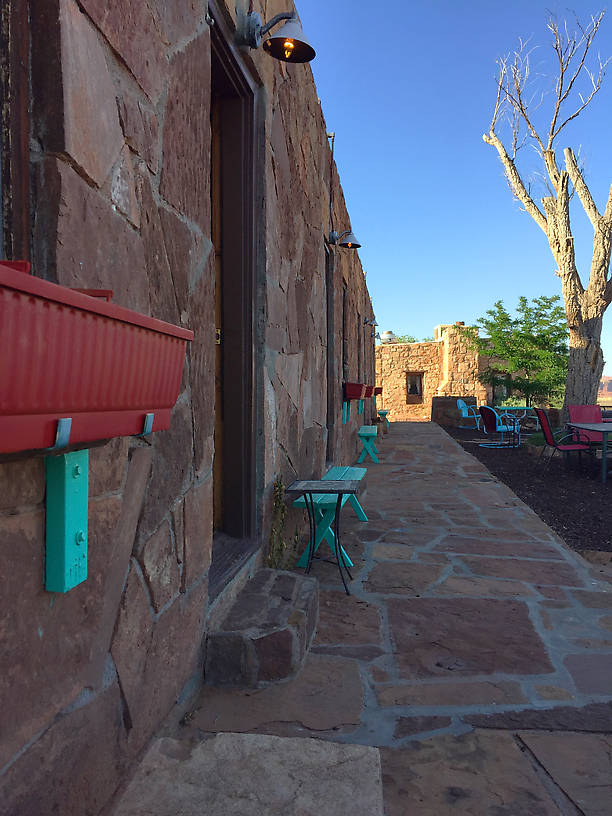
x=325 y=509
x=367 y=434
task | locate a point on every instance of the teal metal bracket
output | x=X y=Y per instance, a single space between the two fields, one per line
x=346 y=412
x=360 y=406
x=62 y=435
x=67 y=477
x=147 y=427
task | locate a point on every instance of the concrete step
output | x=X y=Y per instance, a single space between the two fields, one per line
x=266 y=633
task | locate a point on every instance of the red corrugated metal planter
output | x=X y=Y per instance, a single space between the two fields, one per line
x=378 y=390
x=369 y=391
x=66 y=354
x=353 y=391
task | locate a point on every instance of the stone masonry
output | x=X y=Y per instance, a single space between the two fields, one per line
x=446 y=366
x=267 y=632
x=121 y=146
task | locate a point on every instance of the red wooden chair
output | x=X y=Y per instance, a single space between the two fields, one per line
x=578 y=444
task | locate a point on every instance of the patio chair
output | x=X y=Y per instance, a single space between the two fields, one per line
x=578 y=444
x=468 y=412
x=494 y=423
x=588 y=413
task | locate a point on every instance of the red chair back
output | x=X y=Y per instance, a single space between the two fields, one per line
x=586 y=413
x=545 y=425
x=489 y=418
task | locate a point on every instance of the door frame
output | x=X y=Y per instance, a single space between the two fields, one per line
x=15 y=129
x=242 y=128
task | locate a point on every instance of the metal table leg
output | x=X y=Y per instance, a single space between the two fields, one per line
x=338 y=548
x=312 y=525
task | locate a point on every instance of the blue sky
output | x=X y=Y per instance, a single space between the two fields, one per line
x=409 y=94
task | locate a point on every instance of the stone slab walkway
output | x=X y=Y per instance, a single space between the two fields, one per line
x=475 y=651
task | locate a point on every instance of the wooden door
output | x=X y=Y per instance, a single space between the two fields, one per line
x=217 y=239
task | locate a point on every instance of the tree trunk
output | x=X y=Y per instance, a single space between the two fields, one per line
x=585 y=364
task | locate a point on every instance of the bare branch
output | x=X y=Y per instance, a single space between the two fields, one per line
x=584 y=194
x=503 y=68
x=608 y=212
x=515 y=180
x=566 y=51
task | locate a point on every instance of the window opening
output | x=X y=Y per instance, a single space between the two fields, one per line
x=414 y=387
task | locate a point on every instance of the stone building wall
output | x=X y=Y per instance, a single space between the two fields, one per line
x=121 y=200
x=448 y=367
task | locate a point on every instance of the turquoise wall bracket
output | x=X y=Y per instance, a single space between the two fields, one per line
x=67 y=478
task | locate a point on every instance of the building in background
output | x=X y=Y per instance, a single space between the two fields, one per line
x=413 y=375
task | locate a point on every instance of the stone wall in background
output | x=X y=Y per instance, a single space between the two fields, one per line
x=447 y=365
x=121 y=145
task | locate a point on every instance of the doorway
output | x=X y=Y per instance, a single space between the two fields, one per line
x=233 y=236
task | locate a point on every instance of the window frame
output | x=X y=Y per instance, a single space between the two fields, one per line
x=415 y=399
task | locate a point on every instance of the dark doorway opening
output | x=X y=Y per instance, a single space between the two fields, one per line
x=15 y=130
x=233 y=234
x=331 y=363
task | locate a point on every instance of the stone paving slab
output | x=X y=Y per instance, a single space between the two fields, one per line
x=471 y=775
x=326 y=695
x=465 y=636
x=254 y=775
x=581 y=764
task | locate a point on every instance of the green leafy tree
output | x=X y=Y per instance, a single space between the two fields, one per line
x=409 y=338
x=528 y=353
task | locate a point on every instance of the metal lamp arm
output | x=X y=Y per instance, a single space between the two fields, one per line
x=285 y=15
x=334 y=238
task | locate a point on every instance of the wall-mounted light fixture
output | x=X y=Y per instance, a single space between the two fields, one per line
x=369 y=321
x=288 y=44
x=345 y=239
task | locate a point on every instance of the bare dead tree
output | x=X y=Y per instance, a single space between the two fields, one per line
x=517 y=111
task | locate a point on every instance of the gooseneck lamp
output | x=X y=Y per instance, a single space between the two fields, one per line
x=345 y=239
x=288 y=44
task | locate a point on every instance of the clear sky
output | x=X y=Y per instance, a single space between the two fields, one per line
x=409 y=94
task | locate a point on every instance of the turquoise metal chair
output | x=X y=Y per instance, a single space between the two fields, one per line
x=494 y=424
x=468 y=412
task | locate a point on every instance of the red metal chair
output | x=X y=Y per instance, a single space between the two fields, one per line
x=587 y=413
x=494 y=423
x=578 y=444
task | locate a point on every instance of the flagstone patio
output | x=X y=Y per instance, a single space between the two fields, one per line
x=475 y=650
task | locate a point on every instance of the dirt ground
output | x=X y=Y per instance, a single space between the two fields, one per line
x=569 y=498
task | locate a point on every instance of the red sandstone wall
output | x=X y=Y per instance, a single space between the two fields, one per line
x=121 y=170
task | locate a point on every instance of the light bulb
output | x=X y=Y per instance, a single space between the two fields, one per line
x=288 y=45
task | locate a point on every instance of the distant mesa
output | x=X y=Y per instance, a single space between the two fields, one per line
x=605 y=386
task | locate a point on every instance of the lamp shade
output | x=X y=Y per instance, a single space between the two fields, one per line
x=289 y=43
x=349 y=241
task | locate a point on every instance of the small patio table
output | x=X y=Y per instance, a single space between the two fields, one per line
x=512 y=408
x=383 y=415
x=604 y=428
x=327 y=487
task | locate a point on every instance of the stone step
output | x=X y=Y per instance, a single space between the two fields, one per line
x=266 y=633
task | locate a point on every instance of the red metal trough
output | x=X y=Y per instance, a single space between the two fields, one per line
x=67 y=354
